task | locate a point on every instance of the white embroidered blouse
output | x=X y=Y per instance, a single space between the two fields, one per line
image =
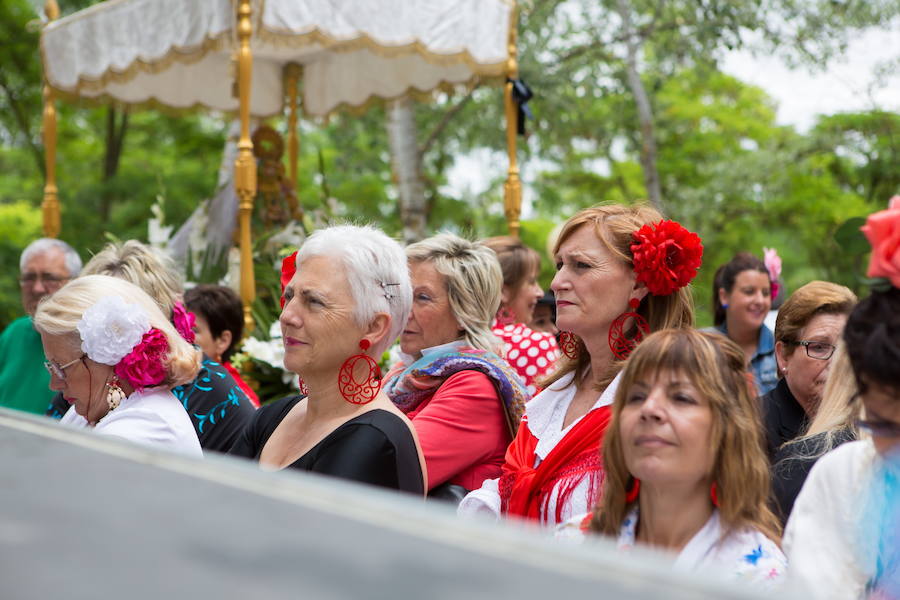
x=746 y=555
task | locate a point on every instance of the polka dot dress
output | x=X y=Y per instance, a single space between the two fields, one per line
x=531 y=353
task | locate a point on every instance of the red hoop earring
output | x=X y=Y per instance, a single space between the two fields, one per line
x=621 y=345
x=568 y=344
x=632 y=493
x=713 y=495
x=359 y=392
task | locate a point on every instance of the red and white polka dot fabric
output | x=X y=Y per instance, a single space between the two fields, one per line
x=531 y=353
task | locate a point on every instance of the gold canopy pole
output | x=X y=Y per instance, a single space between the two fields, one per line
x=50 y=205
x=512 y=189
x=245 y=165
x=291 y=79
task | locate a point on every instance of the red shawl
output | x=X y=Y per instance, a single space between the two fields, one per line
x=525 y=490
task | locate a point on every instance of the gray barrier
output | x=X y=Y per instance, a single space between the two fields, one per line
x=83 y=516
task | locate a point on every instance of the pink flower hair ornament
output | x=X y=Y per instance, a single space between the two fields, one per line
x=882 y=229
x=184 y=321
x=145 y=366
x=773 y=266
x=116 y=333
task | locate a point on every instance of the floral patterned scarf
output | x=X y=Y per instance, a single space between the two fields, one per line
x=409 y=386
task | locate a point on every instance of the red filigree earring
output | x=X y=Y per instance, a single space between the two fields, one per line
x=714 y=495
x=302 y=385
x=632 y=493
x=568 y=344
x=619 y=343
x=359 y=392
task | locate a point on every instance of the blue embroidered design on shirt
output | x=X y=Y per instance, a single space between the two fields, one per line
x=204 y=383
x=221 y=408
x=755 y=555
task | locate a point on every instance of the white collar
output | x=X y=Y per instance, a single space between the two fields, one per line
x=693 y=553
x=547 y=411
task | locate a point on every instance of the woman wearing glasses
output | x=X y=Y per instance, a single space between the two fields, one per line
x=809 y=325
x=116 y=358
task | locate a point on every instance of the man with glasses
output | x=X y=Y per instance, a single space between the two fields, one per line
x=45 y=266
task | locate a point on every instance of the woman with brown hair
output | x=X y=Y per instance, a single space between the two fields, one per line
x=621 y=272
x=531 y=353
x=807 y=330
x=685 y=469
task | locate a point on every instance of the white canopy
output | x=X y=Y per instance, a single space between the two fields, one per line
x=179 y=53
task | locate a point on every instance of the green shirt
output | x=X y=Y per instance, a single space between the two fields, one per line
x=24 y=382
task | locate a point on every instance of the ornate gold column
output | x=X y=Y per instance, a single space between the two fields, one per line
x=50 y=205
x=512 y=189
x=292 y=73
x=245 y=165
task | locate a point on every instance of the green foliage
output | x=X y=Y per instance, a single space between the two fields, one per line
x=727 y=169
x=19 y=225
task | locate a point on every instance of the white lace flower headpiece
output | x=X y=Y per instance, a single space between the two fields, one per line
x=111 y=328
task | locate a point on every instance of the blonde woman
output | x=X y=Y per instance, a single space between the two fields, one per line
x=463 y=399
x=834 y=424
x=215 y=403
x=116 y=358
x=685 y=468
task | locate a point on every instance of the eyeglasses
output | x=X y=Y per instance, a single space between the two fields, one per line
x=817 y=350
x=49 y=280
x=879 y=428
x=59 y=371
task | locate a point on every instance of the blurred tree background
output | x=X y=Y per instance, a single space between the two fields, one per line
x=630 y=104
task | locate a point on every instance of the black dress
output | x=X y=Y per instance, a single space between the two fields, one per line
x=783 y=417
x=377 y=447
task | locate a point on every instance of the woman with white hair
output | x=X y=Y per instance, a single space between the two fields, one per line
x=464 y=400
x=346 y=298
x=116 y=358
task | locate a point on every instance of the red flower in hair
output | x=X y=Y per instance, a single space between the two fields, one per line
x=144 y=366
x=666 y=256
x=288 y=268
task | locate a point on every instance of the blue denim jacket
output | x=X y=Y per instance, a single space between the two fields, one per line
x=763 y=364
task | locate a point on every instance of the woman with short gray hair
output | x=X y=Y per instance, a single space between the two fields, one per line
x=463 y=399
x=346 y=298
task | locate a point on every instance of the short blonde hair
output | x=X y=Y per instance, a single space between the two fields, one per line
x=137 y=263
x=716 y=367
x=474 y=283
x=60 y=313
x=614 y=225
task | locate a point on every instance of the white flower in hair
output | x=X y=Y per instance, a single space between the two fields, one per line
x=111 y=328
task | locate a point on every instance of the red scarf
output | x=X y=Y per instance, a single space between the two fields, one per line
x=525 y=490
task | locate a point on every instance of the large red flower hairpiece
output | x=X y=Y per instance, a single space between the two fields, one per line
x=288 y=268
x=666 y=256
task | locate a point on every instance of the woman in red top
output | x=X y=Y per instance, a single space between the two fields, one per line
x=531 y=353
x=219 y=326
x=463 y=399
x=621 y=271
